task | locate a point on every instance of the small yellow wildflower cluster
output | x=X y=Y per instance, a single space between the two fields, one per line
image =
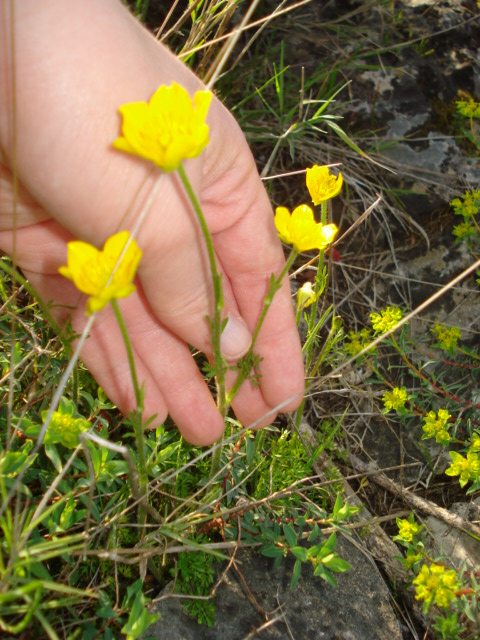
x=468 y=205
x=64 y=429
x=464 y=230
x=447 y=337
x=468 y=468
x=435 y=426
x=395 y=399
x=299 y=228
x=411 y=559
x=407 y=529
x=475 y=442
x=469 y=108
x=357 y=341
x=386 y=319
x=436 y=585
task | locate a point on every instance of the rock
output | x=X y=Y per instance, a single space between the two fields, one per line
x=359 y=609
x=453 y=544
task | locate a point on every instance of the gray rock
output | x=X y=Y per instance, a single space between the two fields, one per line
x=359 y=609
x=458 y=547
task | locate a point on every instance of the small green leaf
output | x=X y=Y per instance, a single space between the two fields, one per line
x=272 y=551
x=297 y=568
x=324 y=573
x=300 y=553
x=337 y=564
x=290 y=535
x=52 y=453
x=329 y=545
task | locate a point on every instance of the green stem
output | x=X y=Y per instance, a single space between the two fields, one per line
x=137 y=414
x=319 y=286
x=275 y=284
x=215 y=322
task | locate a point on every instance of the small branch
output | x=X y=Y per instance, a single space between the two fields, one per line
x=414 y=501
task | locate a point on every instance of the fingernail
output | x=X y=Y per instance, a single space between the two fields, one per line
x=236 y=338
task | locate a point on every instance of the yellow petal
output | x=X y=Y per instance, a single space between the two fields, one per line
x=167 y=130
x=282 y=222
x=103 y=275
x=322 y=185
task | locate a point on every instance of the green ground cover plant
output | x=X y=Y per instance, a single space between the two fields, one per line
x=98 y=515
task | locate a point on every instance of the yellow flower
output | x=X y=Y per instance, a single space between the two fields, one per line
x=168 y=129
x=437 y=426
x=357 y=342
x=305 y=296
x=407 y=529
x=435 y=584
x=322 y=185
x=467 y=468
x=93 y=271
x=386 y=319
x=447 y=337
x=300 y=229
x=395 y=400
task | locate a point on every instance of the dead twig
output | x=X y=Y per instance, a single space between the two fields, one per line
x=414 y=501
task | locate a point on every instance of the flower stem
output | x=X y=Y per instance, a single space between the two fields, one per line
x=216 y=321
x=275 y=284
x=320 y=284
x=137 y=414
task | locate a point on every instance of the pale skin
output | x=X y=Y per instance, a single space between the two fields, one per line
x=74 y=65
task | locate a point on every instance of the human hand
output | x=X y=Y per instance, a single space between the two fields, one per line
x=74 y=68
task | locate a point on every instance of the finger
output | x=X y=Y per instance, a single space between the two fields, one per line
x=250 y=253
x=164 y=366
x=164 y=363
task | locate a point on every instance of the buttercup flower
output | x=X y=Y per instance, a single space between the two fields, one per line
x=168 y=129
x=322 y=185
x=91 y=270
x=300 y=229
x=386 y=319
x=467 y=468
x=395 y=399
x=305 y=296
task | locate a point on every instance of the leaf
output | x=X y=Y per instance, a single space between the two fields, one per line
x=297 y=568
x=300 y=553
x=338 y=504
x=324 y=573
x=272 y=551
x=339 y=565
x=315 y=533
x=139 y=619
x=52 y=453
x=290 y=535
x=329 y=545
